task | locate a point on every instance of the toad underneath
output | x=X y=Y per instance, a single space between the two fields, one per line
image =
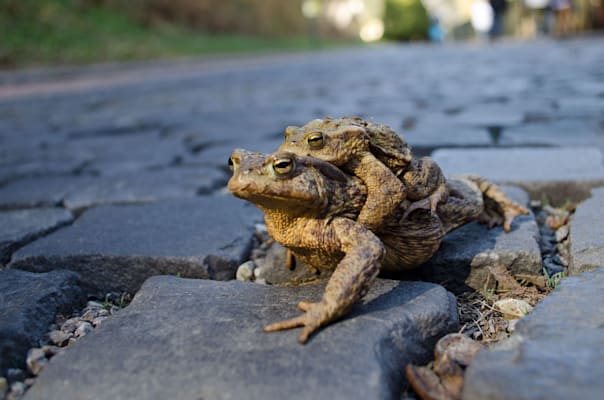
x=311 y=207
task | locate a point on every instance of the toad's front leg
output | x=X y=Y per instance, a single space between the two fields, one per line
x=350 y=281
x=384 y=190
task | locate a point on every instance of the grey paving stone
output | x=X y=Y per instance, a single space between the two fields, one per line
x=559 y=173
x=39 y=168
x=556 y=352
x=28 y=305
x=145 y=186
x=118 y=247
x=490 y=115
x=147 y=148
x=581 y=107
x=586 y=233
x=432 y=135
x=203 y=339
x=77 y=192
x=20 y=227
x=466 y=253
x=40 y=191
x=559 y=132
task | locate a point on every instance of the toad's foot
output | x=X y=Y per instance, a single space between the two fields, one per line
x=511 y=211
x=490 y=218
x=429 y=203
x=499 y=208
x=315 y=315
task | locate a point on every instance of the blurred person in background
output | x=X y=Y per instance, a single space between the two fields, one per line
x=563 y=17
x=435 y=31
x=539 y=10
x=499 y=7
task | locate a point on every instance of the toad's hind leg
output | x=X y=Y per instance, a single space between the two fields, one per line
x=464 y=204
x=429 y=203
x=498 y=207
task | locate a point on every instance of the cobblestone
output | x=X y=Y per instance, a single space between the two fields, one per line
x=115 y=248
x=29 y=303
x=20 y=227
x=561 y=174
x=212 y=344
x=587 y=231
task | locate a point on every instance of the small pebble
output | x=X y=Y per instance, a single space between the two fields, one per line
x=83 y=329
x=245 y=272
x=261 y=281
x=535 y=203
x=17 y=390
x=70 y=325
x=60 y=338
x=36 y=360
x=89 y=315
x=562 y=233
x=50 y=351
x=257 y=253
x=512 y=308
x=98 y=321
x=29 y=381
x=93 y=304
x=563 y=254
x=15 y=374
x=259 y=273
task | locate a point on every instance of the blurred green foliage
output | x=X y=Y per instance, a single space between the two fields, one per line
x=405 y=20
x=264 y=17
x=82 y=31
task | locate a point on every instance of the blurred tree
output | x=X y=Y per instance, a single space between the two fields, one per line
x=405 y=20
x=264 y=17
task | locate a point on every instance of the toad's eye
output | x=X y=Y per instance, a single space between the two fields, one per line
x=231 y=164
x=315 y=140
x=283 y=165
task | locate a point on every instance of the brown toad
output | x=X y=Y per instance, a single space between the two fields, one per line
x=379 y=157
x=310 y=207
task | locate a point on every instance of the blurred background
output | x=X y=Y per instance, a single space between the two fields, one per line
x=83 y=31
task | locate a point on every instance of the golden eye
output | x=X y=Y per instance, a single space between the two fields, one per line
x=315 y=140
x=283 y=165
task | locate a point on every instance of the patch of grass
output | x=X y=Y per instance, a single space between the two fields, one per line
x=488 y=293
x=63 y=32
x=554 y=280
